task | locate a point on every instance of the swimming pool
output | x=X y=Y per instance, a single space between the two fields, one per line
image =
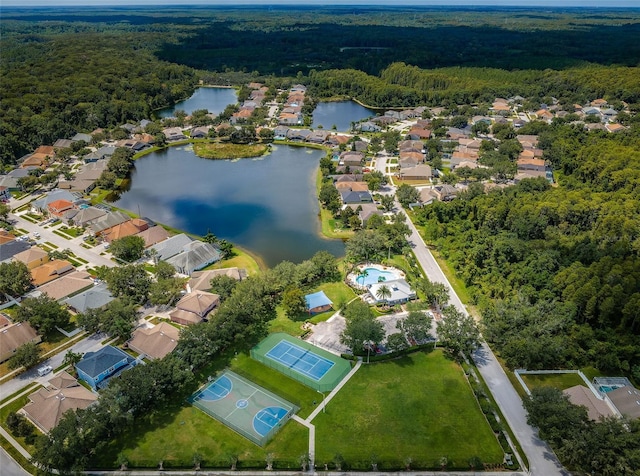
x=374 y=275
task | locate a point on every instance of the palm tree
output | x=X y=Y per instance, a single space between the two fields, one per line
x=383 y=293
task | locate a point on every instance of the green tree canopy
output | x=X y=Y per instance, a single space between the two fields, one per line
x=43 y=313
x=128 y=248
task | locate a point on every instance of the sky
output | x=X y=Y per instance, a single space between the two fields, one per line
x=521 y=3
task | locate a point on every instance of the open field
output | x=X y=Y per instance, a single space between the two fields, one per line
x=559 y=381
x=418 y=407
x=213 y=150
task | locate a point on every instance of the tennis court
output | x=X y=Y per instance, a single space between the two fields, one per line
x=301 y=361
x=243 y=406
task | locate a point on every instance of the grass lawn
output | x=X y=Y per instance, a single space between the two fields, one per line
x=332 y=228
x=182 y=430
x=559 y=381
x=213 y=150
x=419 y=406
x=242 y=259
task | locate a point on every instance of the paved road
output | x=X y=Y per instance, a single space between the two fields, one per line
x=89 y=344
x=9 y=467
x=46 y=234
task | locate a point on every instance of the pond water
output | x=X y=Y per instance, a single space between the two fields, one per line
x=339 y=113
x=212 y=99
x=266 y=205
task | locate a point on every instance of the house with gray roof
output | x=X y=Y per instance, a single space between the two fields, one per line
x=171 y=246
x=96 y=297
x=63 y=144
x=108 y=220
x=84 y=137
x=11 y=248
x=96 y=368
x=103 y=152
x=41 y=205
x=194 y=256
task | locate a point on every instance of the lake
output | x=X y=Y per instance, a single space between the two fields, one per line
x=339 y=113
x=267 y=205
x=212 y=99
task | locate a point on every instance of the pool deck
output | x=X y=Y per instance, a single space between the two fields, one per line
x=353 y=276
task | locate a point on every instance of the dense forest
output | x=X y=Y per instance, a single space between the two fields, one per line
x=555 y=270
x=65 y=70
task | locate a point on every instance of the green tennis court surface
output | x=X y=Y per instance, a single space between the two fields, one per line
x=306 y=363
x=243 y=406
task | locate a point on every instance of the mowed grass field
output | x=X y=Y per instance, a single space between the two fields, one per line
x=419 y=407
x=559 y=381
x=182 y=430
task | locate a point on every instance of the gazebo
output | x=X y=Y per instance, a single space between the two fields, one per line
x=318 y=302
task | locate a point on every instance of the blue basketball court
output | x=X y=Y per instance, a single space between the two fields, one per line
x=298 y=359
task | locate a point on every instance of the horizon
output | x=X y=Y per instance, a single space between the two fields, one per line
x=584 y=4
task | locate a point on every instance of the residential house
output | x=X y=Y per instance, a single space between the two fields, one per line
x=418 y=133
x=336 y=140
x=395 y=115
x=445 y=192
x=298 y=134
x=290 y=119
x=200 y=280
x=626 y=400
x=96 y=297
x=10 y=182
x=59 y=207
x=154 y=342
x=478 y=119
x=317 y=302
x=360 y=146
x=200 y=132
x=41 y=205
x=351 y=158
x=582 y=396
x=63 y=144
x=411 y=146
x=171 y=246
x=348 y=178
x=367 y=210
x=103 y=152
x=400 y=291
x=109 y=220
x=66 y=285
x=173 y=134
x=352 y=186
x=47 y=405
x=599 y=102
x=96 y=368
x=280 y=132
x=298 y=88
x=194 y=256
x=132 y=144
x=544 y=115
x=369 y=126
x=419 y=172
x=349 y=197
x=470 y=164
x=408 y=114
x=14 y=336
x=49 y=271
x=427 y=196
x=613 y=127
x=82 y=137
x=127 y=228
x=318 y=136
x=455 y=133
x=86 y=216
x=527 y=141
x=383 y=121
x=33 y=257
x=194 y=307
x=36 y=160
x=9 y=246
x=4 y=193
x=153 y=235
x=241 y=116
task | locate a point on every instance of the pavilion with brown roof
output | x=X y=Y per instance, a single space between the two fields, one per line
x=48 y=405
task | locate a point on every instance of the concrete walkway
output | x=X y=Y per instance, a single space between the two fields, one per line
x=333 y=392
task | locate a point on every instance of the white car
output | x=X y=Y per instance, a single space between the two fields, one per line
x=42 y=371
x=36 y=234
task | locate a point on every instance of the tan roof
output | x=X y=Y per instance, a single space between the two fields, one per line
x=200 y=279
x=48 y=405
x=153 y=235
x=15 y=335
x=37 y=160
x=50 y=271
x=156 y=342
x=67 y=285
x=626 y=400
x=531 y=161
x=185 y=317
x=63 y=380
x=353 y=186
x=46 y=150
x=614 y=127
x=32 y=257
x=199 y=302
x=409 y=154
x=596 y=408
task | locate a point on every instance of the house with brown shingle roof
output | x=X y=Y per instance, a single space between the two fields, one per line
x=67 y=285
x=582 y=396
x=15 y=335
x=35 y=160
x=48 y=405
x=626 y=400
x=155 y=342
x=153 y=235
x=194 y=307
x=128 y=228
x=200 y=280
x=50 y=271
x=528 y=163
x=33 y=257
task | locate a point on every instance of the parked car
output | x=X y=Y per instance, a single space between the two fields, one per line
x=42 y=371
